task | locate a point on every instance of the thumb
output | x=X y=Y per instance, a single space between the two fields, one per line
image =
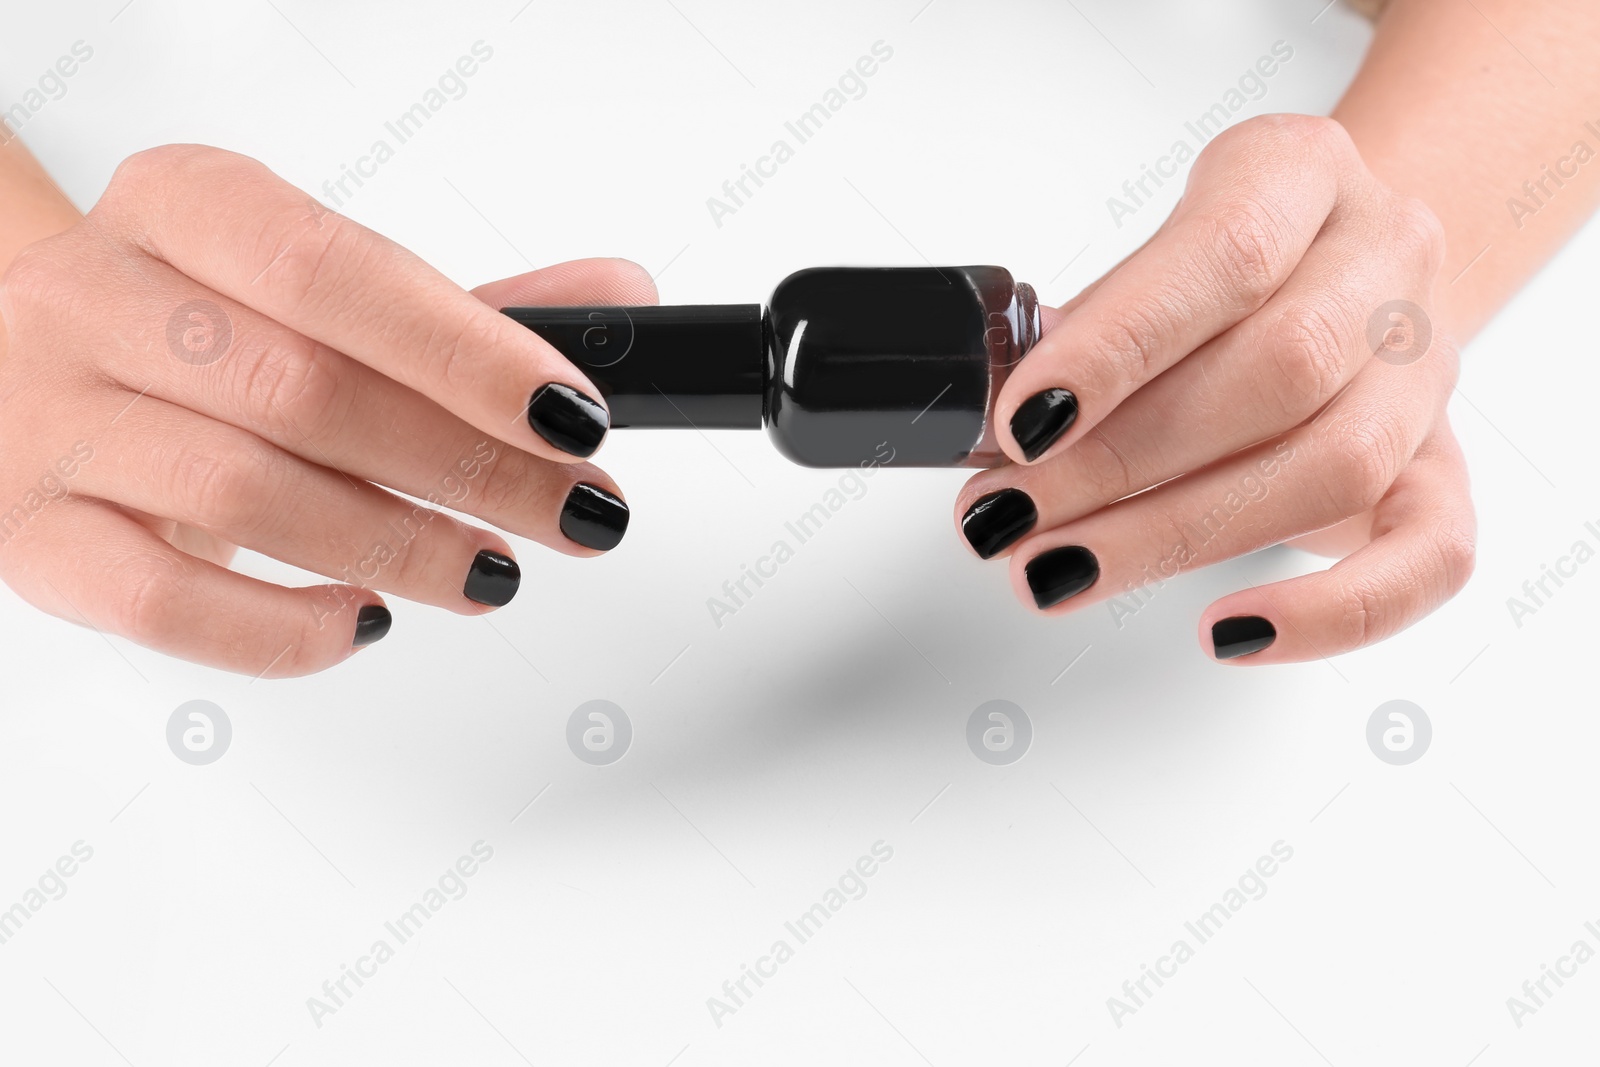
x=578 y=281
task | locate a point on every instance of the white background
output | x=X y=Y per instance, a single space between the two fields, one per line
x=830 y=712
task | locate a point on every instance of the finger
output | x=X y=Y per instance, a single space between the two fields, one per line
x=577 y=281
x=131 y=583
x=1256 y=381
x=993 y=514
x=1338 y=465
x=1338 y=540
x=240 y=230
x=230 y=483
x=328 y=409
x=1420 y=556
x=1254 y=202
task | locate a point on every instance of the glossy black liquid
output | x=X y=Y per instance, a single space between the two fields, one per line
x=372 y=624
x=1041 y=419
x=1058 y=574
x=567 y=419
x=493 y=579
x=593 y=517
x=998 y=520
x=1241 y=635
x=847 y=366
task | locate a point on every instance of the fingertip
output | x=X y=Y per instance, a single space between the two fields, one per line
x=1240 y=636
x=1039 y=422
x=1051 y=578
x=632 y=283
x=977 y=487
x=599 y=280
x=593 y=518
x=997 y=520
x=569 y=420
x=372 y=625
x=492 y=579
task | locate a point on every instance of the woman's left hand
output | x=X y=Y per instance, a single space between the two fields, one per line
x=1265 y=366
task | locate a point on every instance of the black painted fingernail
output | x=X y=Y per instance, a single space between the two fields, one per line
x=566 y=418
x=1241 y=635
x=1061 y=573
x=593 y=517
x=998 y=520
x=372 y=622
x=493 y=579
x=1042 y=419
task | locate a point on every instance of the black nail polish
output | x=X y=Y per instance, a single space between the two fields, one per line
x=998 y=520
x=845 y=366
x=593 y=517
x=372 y=623
x=493 y=579
x=1060 y=573
x=1241 y=635
x=567 y=419
x=1042 y=419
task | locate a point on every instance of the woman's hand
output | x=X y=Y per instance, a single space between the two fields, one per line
x=212 y=359
x=1267 y=363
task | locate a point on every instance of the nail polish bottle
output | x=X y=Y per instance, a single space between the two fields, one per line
x=843 y=366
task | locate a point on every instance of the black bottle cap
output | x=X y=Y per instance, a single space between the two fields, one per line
x=694 y=365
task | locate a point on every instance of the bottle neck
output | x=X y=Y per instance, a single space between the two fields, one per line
x=699 y=366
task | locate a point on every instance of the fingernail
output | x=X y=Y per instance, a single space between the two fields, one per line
x=593 y=517
x=493 y=579
x=566 y=418
x=1042 y=419
x=1241 y=635
x=372 y=623
x=1061 y=573
x=998 y=520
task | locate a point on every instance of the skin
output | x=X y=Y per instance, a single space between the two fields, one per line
x=1235 y=340
x=351 y=368
x=1228 y=362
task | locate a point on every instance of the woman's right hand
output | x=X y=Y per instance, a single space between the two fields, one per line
x=211 y=359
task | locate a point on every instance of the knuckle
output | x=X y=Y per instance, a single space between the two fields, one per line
x=1319 y=132
x=506 y=486
x=1377 y=606
x=1419 y=231
x=454 y=354
x=1314 y=135
x=1442 y=360
x=149 y=604
x=1458 y=556
x=222 y=486
x=1249 y=135
x=36 y=277
x=293 y=384
x=1247 y=254
x=150 y=168
x=306 y=264
x=1136 y=334
x=1101 y=469
x=139 y=169
x=1363 y=461
x=1284 y=135
x=1364 y=616
x=417 y=550
x=1306 y=347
